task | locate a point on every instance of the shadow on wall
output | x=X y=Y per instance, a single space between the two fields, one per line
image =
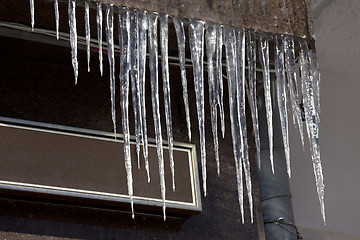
x=52 y=220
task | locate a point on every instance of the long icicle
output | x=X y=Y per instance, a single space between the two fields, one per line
x=164 y=32
x=230 y=49
x=124 y=42
x=264 y=60
x=180 y=34
x=211 y=40
x=56 y=9
x=251 y=57
x=282 y=98
x=292 y=84
x=99 y=22
x=111 y=58
x=240 y=48
x=311 y=122
x=73 y=37
x=134 y=49
x=153 y=61
x=219 y=78
x=32 y=13
x=143 y=26
x=316 y=78
x=196 y=39
x=87 y=33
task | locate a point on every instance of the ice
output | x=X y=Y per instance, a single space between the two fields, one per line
x=143 y=26
x=153 y=62
x=124 y=42
x=164 y=31
x=292 y=83
x=73 y=37
x=219 y=77
x=87 y=33
x=56 y=8
x=180 y=34
x=99 y=22
x=264 y=60
x=32 y=10
x=230 y=50
x=135 y=92
x=240 y=51
x=251 y=57
x=211 y=41
x=111 y=58
x=316 y=79
x=196 y=39
x=282 y=98
x=311 y=120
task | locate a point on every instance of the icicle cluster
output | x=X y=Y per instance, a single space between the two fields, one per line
x=139 y=29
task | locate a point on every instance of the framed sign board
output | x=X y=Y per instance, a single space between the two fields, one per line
x=52 y=162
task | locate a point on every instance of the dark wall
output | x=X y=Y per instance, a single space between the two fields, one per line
x=37 y=83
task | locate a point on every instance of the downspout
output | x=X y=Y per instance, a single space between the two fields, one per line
x=274 y=188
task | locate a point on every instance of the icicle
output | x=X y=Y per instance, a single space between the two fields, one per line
x=311 y=121
x=230 y=49
x=56 y=8
x=164 y=31
x=264 y=59
x=153 y=61
x=180 y=34
x=196 y=37
x=124 y=42
x=281 y=98
x=251 y=57
x=87 y=33
x=210 y=38
x=219 y=78
x=143 y=26
x=316 y=78
x=73 y=37
x=111 y=58
x=32 y=10
x=99 y=22
x=134 y=54
x=292 y=84
x=240 y=50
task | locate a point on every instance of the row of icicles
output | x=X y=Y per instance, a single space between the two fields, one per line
x=137 y=28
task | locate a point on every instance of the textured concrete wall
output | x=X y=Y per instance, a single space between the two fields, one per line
x=286 y=17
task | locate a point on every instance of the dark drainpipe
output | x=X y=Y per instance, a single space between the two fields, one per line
x=274 y=188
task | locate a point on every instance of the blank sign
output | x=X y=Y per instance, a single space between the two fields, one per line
x=69 y=164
